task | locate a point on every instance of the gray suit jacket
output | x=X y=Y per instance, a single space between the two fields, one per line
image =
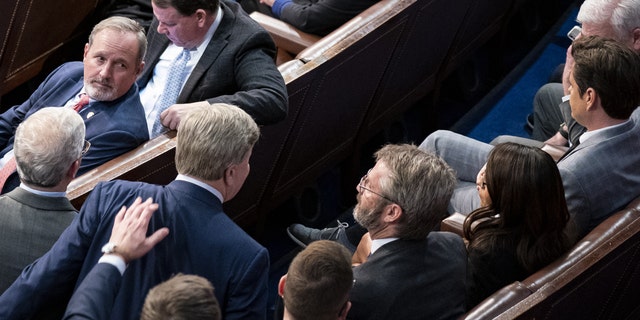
x=237 y=67
x=602 y=175
x=29 y=225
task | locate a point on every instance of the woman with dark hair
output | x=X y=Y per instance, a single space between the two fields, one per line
x=521 y=225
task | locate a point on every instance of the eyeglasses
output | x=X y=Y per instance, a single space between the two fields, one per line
x=481 y=185
x=362 y=187
x=85 y=148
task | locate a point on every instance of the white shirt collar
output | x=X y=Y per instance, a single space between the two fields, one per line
x=377 y=243
x=589 y=134
x=201 y=184
x=50 y=194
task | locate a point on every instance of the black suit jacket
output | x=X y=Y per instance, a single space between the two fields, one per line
x=237 y=68
x=322 y=16
x=410 y=279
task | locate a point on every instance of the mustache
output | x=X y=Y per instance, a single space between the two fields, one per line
x=101 y=81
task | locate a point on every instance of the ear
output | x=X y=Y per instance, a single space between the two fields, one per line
x=345 y=311
x=140 y=67
x=392 y=212
x=283 y=280
x=636 y=39
x=590 y=96
x=201 y=15
x=73 y=169
x=229 y=175
x=86 y=50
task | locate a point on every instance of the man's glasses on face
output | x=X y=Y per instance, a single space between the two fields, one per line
x=361 y=187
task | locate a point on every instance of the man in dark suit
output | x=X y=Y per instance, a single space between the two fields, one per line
x=33 y=216
x=212 y=158
x=412 y=273
x=312 y=16
x=230 y=60
x=114 y=117
x=181 y=297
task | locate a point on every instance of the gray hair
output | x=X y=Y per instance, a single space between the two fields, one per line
x=421 y=183
x=621 y=15
x=211 y=138
x=42 y=161
x=123 y=25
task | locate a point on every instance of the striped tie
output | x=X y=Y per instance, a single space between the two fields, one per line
x=171 y=91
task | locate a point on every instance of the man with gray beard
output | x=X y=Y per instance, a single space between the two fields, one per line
x=411 y=272
x=101 y=89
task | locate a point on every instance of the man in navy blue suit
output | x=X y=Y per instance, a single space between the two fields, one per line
x=212 y=159
x=113 y=115
x=181 y=297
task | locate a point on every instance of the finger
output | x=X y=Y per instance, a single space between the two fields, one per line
x=157 y=236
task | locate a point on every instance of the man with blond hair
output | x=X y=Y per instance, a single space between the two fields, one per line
x=212 y=159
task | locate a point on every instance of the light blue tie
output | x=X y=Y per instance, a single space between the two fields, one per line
x=172 y=88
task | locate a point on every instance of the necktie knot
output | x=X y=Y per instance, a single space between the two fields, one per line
x=84 y=100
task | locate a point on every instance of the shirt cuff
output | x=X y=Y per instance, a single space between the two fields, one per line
x=114 y=260
x=278 y=6
x=566 y=98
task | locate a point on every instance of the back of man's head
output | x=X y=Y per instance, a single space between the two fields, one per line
x=318 y=282
x=211 y=138
x=421 y=183
x=612 y=18
x=46 y=145
x=612 y=70
x=183 y=297
x=188 y=7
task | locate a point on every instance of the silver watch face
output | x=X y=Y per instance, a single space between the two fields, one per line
x=109 y=248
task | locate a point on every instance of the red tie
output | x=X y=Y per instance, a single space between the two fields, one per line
x=84 y=100
x=8 y=169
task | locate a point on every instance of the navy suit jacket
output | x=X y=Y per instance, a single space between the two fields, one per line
x=237 y=67
x=202 y=240
x=405 y=279
x=95 y=296
x=112 y=127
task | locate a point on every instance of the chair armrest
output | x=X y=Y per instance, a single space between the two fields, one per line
x=556 y=152
x=453 y=223
x=286 y=36
x=153 y=161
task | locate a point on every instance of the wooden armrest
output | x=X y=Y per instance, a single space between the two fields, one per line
x=453 y=223
x=286 y=36
x=556 y=152
x=152 y=162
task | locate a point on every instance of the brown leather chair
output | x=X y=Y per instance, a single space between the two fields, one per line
x=30 y=31
x=598 y=279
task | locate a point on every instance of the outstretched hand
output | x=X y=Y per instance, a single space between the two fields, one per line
x=129 y=232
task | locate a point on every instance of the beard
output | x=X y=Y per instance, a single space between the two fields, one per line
x=104 y=92
x=369 y=218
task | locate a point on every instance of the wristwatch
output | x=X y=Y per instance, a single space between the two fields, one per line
x=109 y=248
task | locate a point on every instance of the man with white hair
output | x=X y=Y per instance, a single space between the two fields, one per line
x=33 y=216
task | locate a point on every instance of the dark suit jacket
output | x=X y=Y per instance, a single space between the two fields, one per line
x=95 y=296
x=237 y=68
x=112 y=127
x=202 y=240
x=322 y=16
x=29 y=225
x=407 y=279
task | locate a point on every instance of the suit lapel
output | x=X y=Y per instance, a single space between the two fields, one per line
x=157 y=44
x=600 y=137
x=214 y=48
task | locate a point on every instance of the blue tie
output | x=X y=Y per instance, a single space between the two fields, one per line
x=172 y=88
